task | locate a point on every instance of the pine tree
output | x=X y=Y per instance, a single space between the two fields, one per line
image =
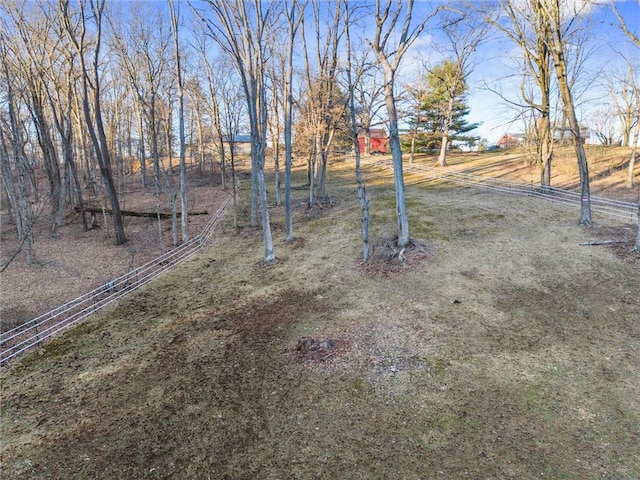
x=442 y=108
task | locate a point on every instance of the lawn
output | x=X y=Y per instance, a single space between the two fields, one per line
x=505 y=349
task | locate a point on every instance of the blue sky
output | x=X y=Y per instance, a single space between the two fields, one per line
x=494 y=68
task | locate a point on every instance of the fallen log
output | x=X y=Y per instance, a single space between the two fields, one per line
x=131 y=213
x=603 y=242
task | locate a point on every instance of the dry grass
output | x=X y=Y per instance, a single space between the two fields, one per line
x=510 y=352
x=607 y=168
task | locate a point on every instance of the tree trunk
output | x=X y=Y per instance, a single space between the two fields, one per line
x=442 y=158
x=636 y=246
x=9 y=185
x=141 y=149
x=557 y=52
x=288 y=121
x=234 y=189
x=544 y=149
x=367 y=140
x=312 y=174
x=23 y=212
x=275 y=136
x=396 y=155
x=168 y=128
x=362 y=191
x=155 y=152
x=96 y=131
x=412 y=154
x=183 y=161
x=76 y=182
x=36 y=109
x=201 y=152
x=632 y=160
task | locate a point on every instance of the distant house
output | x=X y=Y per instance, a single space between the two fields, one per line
x=379 y=140
x=240 y=142
x=563 y=135
x=511 y=140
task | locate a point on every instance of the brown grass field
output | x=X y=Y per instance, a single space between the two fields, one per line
x=503 y=349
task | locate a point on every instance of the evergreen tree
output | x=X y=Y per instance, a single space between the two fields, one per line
x=441 y=107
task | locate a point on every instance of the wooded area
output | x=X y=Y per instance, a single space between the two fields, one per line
x=131 y=213
x=94 y=92
x=438 y=312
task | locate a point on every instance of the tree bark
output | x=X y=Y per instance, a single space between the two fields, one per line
x=293 y=22
x=396 y=155
x=442 y=158
x=557 y=46
x=632 y=160
x=96 y=130
x=183 y=164
x=361 y=187
x=379 y=45
x=636 y=246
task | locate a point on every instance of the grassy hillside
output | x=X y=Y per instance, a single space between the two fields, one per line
x=607 y=168
x=506 y=350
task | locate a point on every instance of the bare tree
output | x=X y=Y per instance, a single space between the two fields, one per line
x=62 y=77
x=276 y=74
x=32 y=44
x=183 y=165
x=390 y=55
x=76 y=27
x=635 y=39
x=22 y=209
x=362 y=190
x=294 y=13
x=240 y=29
x=604 y=125
x=142 y=48
x=624 y=91
x=323 y=106
x=368 y=93
x=464 y=35
x=526 y=26
x=211 y=93
x=556 y=17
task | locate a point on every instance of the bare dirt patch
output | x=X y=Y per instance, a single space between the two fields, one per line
x=510 y=353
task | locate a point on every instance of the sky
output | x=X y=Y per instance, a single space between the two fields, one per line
x=494 y=68
x=494 y=65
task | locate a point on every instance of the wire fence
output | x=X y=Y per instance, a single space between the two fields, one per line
x=34 y=332
x=43 y=327
x=426 y=175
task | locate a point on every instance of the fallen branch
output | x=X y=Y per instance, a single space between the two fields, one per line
x=15 y=254
x=131 y=213
x=603 y=242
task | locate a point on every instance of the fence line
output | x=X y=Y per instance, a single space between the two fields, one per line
x=19 y=339
x=602 y=205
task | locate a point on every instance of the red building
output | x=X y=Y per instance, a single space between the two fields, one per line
x=379 y=140
x=512 y=140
